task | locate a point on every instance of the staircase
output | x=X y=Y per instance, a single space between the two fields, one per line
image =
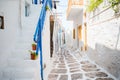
x=19 y=66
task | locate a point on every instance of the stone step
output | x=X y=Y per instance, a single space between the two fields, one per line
x=25 y=35
x=22 y=48
x=1 y=78
x=24 y=41
x=15 y=63
x=25 y=38
x=3 y=61
x=21 y=57
x=25 y=79
x=11 y=72
x=29 y=29
x=16 y=73
x=22 y=44
x=18 y=54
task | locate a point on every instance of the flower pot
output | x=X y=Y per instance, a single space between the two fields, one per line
x=33 y=46
x=33 y=56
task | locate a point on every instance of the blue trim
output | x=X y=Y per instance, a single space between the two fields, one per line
x=42 y=1
x=50 y=3
x=35 y=1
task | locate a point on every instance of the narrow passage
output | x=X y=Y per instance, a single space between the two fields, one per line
x=67 y=67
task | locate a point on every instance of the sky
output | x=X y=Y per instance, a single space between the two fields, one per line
x=62 y=8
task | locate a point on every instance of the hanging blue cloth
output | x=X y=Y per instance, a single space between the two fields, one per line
x=55 y=7
x=39 y=44
x=35 y=1
x=38 y=32
x=38 y=1
x=50 y=3
x=42 y=1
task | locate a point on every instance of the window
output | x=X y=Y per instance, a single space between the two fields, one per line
x=27 y=9
x=1 y=22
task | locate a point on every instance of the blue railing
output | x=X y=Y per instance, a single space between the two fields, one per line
x=38 y=32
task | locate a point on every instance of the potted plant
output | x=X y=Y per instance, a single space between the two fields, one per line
x=33 y=55
x=33 y=46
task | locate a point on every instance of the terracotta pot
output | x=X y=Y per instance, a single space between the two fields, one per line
x=33 y=47
x=33 y=56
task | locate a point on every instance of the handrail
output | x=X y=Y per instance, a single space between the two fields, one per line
x=38 y=32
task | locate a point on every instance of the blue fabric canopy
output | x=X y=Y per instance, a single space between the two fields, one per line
x=38 y=32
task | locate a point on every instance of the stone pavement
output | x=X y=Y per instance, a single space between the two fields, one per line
x=67 y=67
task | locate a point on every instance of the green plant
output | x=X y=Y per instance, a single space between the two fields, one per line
x=32 y=52
x=33 y=44
x=47 y=7
x=115 y=5
x=33 y=55
x=93 y=4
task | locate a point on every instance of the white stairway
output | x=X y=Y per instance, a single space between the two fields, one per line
x=19 y=66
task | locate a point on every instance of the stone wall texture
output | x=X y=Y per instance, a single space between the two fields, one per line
x=104 y=41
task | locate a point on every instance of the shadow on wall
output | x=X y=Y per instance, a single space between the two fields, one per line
x=107 y=58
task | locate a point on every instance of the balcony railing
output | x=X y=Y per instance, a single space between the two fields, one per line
x=74 y=2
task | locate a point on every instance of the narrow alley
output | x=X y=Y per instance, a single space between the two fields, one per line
x=66 y=66
x=59 y=39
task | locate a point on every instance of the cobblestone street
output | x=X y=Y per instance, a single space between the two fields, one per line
x=68 y=67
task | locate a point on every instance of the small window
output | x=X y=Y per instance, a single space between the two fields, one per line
x=1 y=22
x=27 y=9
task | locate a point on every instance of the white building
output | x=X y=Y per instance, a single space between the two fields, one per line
x=20 y=20
x=75 y=13
x=100 y=35
x=104 y=38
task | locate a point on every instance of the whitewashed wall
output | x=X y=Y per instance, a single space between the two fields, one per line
x=69 y=37
x=10 y=11
x=13 y=31
x=104 y=42
x=75 y=40
x=46 y=46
